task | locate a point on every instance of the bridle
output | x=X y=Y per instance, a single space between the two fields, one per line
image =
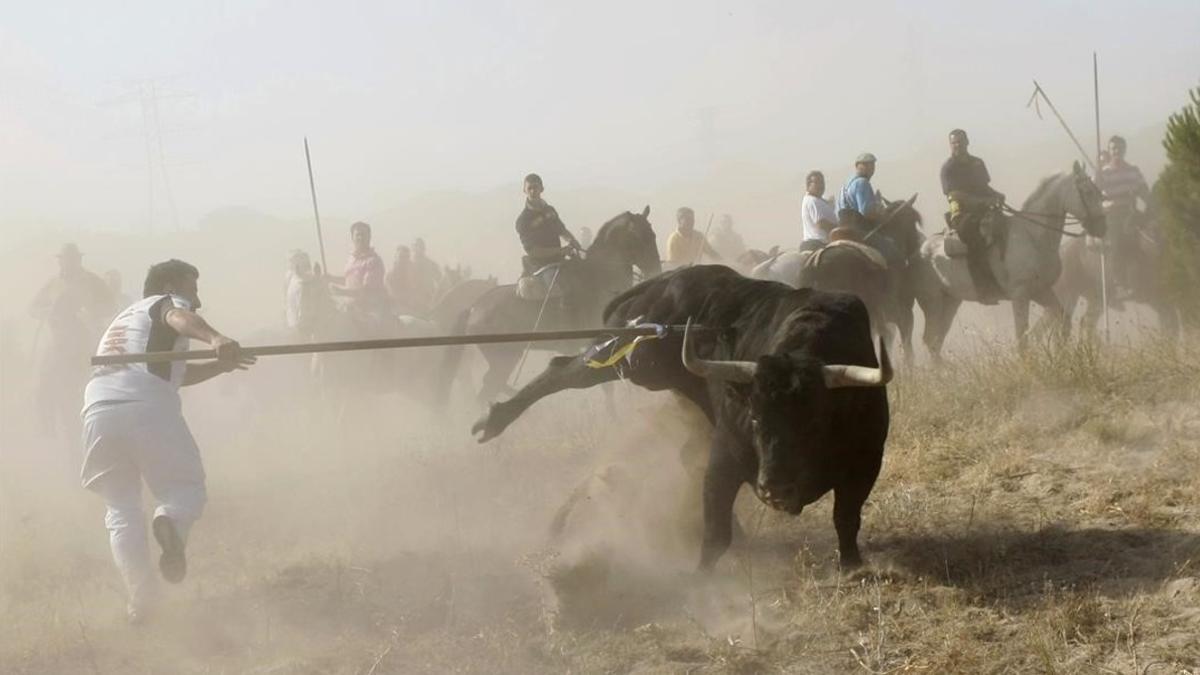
x=1068 y=219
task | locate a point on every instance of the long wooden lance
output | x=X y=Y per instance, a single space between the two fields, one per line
x=1038 y=91
x=703 y=242
x=1103 y=251
x=312 y=188
x=391 y=343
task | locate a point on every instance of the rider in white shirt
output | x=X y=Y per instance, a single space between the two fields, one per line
x=817 y=216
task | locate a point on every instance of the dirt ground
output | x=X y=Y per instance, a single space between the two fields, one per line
x=1036 y=514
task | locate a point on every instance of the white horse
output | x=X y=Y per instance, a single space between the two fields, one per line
x=1026 y=265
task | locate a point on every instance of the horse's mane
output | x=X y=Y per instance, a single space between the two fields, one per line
x=1043 y=186
x=606 y=229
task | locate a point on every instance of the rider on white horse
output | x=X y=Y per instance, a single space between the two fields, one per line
x=965 y=182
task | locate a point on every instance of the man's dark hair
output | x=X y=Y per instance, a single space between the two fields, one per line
x=811 y=175
x=161 y=274
x=959 y=132
x=359 y=224
x=533 y=178
x=1118 y=141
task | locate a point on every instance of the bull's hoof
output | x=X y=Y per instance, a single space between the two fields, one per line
x=850 y=562
x=489 y=425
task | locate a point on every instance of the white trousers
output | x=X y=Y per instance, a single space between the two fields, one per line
x=126 y=442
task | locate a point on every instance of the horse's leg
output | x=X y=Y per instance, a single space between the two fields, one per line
x=564 y=372
x=1168 y=318
x=931 y=308
x=1056 y=317
x=939 y=317
x=1091 y=316
x=501 y=359
x=1020 y=311
x=902 y=316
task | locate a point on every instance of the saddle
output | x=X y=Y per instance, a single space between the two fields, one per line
x=873 y=256
x=994 y=230
x=543 y=283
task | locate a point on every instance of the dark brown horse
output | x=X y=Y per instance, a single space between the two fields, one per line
x=623 y=243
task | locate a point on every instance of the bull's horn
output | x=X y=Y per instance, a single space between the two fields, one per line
x=733 y=371
x=860 y=376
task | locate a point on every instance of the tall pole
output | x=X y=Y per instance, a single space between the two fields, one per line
x=312 y=187
x=1104 y=245
x=1038 y=91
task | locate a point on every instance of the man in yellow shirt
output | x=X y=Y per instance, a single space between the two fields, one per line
x=685 y=246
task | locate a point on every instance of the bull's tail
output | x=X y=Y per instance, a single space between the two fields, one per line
x=451 y=359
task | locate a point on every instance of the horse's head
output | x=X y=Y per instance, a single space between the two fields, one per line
x=903 y=225
x=1084 y=201
x=630 y=239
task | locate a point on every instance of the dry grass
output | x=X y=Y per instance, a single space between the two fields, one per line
x=1035 y=514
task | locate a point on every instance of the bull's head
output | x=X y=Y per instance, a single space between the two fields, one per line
x=788 y=409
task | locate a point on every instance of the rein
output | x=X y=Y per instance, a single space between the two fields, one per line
x=1029 y=218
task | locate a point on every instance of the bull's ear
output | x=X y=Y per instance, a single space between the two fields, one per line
x=646 y=211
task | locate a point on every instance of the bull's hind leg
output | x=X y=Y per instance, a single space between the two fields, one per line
x=564 y=372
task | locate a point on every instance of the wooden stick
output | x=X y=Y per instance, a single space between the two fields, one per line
x=312 y=187
x=385 y=343
x=1038 y=90
x=1104 y=245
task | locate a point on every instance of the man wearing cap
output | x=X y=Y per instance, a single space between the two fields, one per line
x=856 y=203
x=134 y=431
x=71 y=308
x=965 y=182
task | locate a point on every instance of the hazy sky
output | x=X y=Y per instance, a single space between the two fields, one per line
x=402 y=97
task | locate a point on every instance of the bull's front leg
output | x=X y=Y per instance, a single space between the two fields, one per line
x=564 y=372
x=722 y=480
x=848 y=499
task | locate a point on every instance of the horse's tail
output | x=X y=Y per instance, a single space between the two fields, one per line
x=451 y=358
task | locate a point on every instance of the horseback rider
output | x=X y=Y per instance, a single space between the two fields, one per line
x=965 y=182
x=1122 y=185
x=363 y=280
x=860 y=212
x=817 y=216
x=686 y=246
x=856 y=203
x=541 y=230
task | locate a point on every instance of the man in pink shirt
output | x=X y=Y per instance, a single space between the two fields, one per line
x=363 y=281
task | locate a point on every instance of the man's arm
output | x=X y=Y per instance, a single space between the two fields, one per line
x=1143 y=191
x=200 y=372
x=709 y=250
x=192 y=325
x=864 y=199
x=565 y=233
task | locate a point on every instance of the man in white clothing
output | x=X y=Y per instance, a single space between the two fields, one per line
x=133 y=429
x=817 y=216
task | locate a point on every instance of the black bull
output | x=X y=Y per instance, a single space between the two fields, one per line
x=791 y=386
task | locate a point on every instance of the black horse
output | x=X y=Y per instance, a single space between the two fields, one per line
x=589 y=283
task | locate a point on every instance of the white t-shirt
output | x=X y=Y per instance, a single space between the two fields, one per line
x=813 y=210
x=140 y=328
